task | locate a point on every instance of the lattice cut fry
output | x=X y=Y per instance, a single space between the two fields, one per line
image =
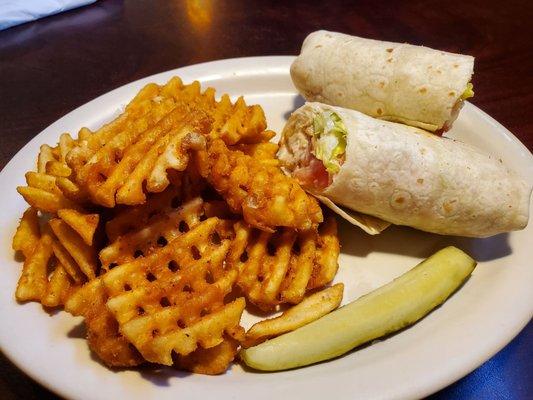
x=129 y=219
x=239 y=123
x=129 y=156
x=33 y=281
x=151 y=104
x=152 y=233
x=211 y=361
x=310 y=309
x=43 y=193
x=157 y=336
x=84 y=255
x=261 y=193
x=103 y=335
x=265 y=153
x=151 y=157
x=166 y=301
x=28 y=233
x=46 y=154
x=68 y=263
x=279 y=268
x=60 y=286
x=328 y=249
x=84 y=224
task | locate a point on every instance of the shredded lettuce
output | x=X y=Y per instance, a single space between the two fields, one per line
x=330 y=140
x=469 y=91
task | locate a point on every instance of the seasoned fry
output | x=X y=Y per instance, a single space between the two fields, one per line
x=211 y=361
x=239 y=123
x=84 y=255
x=59 y=288
x=174 y=298
x=33 y=281
x=150 y=235
x=84 y=224
x=262 y=194
x=28 y=233
x=279 y=268
x=68 y=263
x=309 y=310
x=102 y=329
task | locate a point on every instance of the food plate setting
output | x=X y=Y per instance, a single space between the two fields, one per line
x=176 y=220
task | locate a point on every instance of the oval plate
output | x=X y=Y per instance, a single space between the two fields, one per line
x=480 y=319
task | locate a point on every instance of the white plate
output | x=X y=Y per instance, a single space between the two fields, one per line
x=491 y=308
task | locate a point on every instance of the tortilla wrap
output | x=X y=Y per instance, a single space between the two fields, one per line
x=414 y=85
x=407 y=176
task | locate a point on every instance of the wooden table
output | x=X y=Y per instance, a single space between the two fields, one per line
x=49 y=67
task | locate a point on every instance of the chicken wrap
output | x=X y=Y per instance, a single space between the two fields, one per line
x=401 y=174
x=414 y=85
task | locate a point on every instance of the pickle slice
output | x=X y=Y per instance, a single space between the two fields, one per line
x=388 y=309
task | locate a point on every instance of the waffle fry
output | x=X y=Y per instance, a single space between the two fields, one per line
x=152 y=234
x=151 y=104
x=211 y=361
x=173 y=300
x=170 y=152
x=69 y=264
x=60 y=286
x=279 y=268
x=103 y=335
x=43 y=193
x=33 y=282
x=109 y=166
x=265 y=153
x=239 y=123
x=261 y=193
x=28 y=233
x=309 y=310
x=84 y=224
x=84 y=255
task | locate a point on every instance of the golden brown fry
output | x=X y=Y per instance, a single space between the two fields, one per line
x=68 y=263
x=239 y=123
x=149 y=161
x=84 y=255
x=309 y=310
x=33 y=281
x=173 y=300
x=84 y=224
x=46 y=154
x=59 y=288
x=281 y=267
x=28 y=233
x=328 y=249
x=265 y=153
x=102 y=328
x=152 y=234
x=261 y=193
x=211 y=361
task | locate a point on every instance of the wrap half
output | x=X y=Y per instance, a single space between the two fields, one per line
x=401 y=174
x=414 y=85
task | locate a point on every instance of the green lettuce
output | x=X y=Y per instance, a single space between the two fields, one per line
x=330 y=140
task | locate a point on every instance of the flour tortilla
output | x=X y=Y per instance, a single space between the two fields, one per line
x=407 y=176
x=414 y=85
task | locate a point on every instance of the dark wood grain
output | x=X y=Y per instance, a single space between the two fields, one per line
x=51 y=66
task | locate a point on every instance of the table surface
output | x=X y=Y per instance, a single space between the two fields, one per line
x=51 y=66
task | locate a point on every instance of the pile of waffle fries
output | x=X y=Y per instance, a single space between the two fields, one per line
x=163 y=225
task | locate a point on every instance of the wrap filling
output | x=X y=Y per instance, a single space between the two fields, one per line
x=313 y=149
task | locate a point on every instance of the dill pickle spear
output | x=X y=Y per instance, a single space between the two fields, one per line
x=388 y=309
